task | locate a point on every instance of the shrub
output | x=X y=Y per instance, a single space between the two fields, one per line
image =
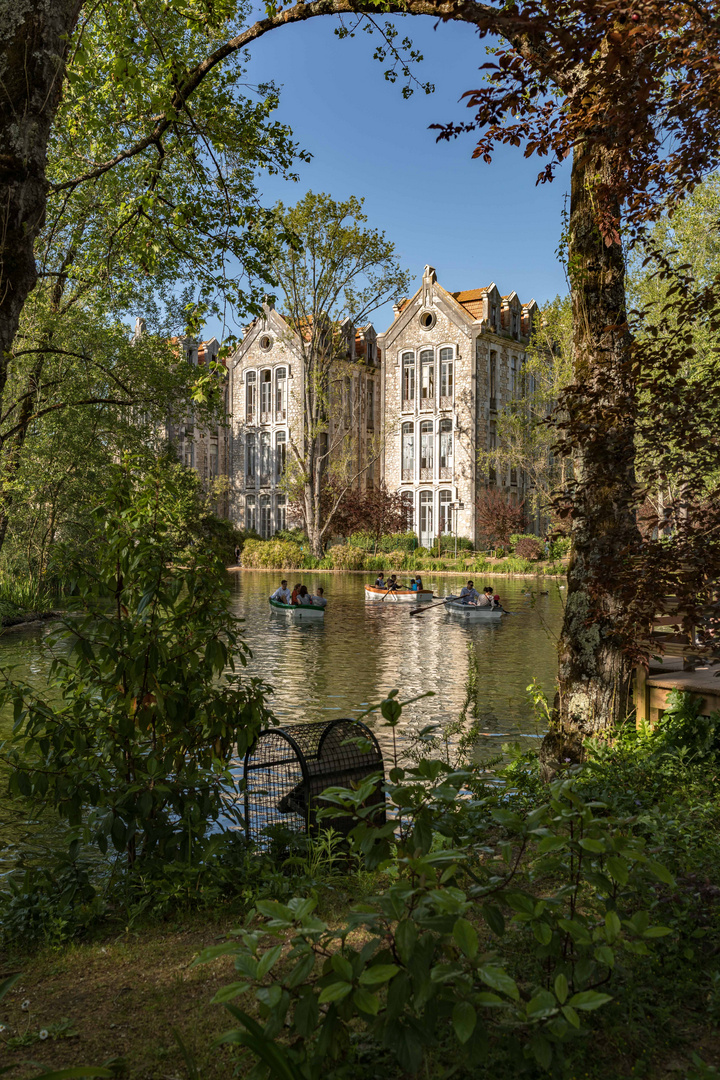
x=346 y=557
x=272 y=554
x=560 y=548
x=528 y=547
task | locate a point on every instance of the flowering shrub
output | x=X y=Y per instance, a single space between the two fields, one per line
x=528 y=547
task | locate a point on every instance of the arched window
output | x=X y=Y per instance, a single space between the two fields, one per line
x=250 y=458
x=446 y=373
x=408 y=452
x=251 y=395
x=446 y=449
x=408 y=377
x=265 y=391
x=426 y=519
x=250 y=513
x=445 y=524
x=265 y=470
x=281 y=394
x=265 y=517
x=426 y=450
x=427 y=375
x=280 y=453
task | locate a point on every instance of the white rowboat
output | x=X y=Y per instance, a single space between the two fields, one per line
x=299 y=611
x=471 y=610
x=397 y=596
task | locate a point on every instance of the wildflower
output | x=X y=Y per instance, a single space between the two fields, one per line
x=44 y=1034
x=568 y=760
x=2 y=1028
x=25 y=1005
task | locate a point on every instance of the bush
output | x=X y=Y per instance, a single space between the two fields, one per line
x=346 y=557
x=560 y=548
x=272 y=554
x=528 y=547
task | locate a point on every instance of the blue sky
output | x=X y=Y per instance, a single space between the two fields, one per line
x=475 y=223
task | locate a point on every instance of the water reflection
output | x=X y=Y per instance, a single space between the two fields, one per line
x=354 y=658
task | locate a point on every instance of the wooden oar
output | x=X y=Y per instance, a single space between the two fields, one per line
x=422 y=610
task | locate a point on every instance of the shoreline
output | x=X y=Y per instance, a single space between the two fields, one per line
x=234 y=569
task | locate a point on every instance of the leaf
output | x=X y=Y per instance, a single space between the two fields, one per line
x=571 y=1016
x=227 y=993
x=542 y=1004
x=551 y=843
x=494 y=918
x=406 y=936
x=334 y=992
x=542 y=933
x=542 y=1051
x=617 y=868
x=561 y=988
x=612 y=926
x=588 y=1000
x=597 y=847
x=660 y=872
x=378 y=973
x=267 y=960
x=657 y=931
x=366 y=1001
x=464 y=1019
x=7 y=984
x=499 y=980
x=466 y=938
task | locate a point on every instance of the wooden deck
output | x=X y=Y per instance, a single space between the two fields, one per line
x=653 y=686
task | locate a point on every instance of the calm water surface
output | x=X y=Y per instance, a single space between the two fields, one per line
x=359 y=653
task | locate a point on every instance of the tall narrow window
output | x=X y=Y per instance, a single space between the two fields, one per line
x=426 y=518
x=251 y=395
x=213 y=461
x=250 y=513
x=265 y=470
x=446 y=449
x=426 y=450
x=265 y=391
x=408 y=452
x=408 y=377
x=514 y=385
x=446 y=373
x=427 y=375
x=445 y=524
x=494 y=317
x=250 y=458
x=513 y=477
x=492 y=446
x=370 y=405
x=493 y=379
x=265 y=517
x=280 y=454
x=407 y=498
x=190 y=453
x=281 y=514
x=281 y=394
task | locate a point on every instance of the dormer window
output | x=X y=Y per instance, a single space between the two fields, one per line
x=494 y=317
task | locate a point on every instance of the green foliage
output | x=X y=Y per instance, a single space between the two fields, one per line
x=346 y=557
x=429 y=969
x=392 y=542
x=133 y=748
x=272 y=554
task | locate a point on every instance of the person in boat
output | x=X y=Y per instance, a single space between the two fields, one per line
x=393 y=583
x=319 y=600
x=295 y=595
x=488 y=598
x=282 y=594
x=304 y=597
x=469 y=594
x=413 y=585
x=418 y=583
x=380 y=581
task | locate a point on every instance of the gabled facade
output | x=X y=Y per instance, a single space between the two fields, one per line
x=452 y=362
x=267 y=404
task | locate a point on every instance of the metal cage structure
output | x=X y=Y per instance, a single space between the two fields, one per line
x=287 y=769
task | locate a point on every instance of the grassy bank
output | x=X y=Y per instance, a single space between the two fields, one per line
x=287 y=555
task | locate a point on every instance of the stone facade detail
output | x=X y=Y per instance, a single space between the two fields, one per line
x=266 y=402
x=452 y=362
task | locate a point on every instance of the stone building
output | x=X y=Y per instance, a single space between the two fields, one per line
x=452 y=361
x=266 y=395
x=204 y=449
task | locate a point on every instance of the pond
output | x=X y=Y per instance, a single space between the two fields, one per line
x=361 y=651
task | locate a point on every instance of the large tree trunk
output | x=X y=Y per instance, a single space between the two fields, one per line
x=593 y=673
x=34 y=38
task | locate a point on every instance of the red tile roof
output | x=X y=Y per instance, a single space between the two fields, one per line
x=471 y=300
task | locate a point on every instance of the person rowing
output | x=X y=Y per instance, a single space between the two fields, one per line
x=469 y=594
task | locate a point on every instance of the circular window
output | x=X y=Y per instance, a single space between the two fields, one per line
x=427 y=319
x=265 y=342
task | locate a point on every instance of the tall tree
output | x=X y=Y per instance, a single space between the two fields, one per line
x=331 y=275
